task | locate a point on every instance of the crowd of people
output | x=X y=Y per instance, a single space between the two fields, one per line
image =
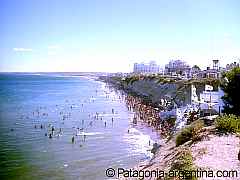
x=150 y=115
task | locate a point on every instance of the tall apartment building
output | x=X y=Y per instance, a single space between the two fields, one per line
x=150 y=67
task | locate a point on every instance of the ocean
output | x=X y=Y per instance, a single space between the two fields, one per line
x=95 y=115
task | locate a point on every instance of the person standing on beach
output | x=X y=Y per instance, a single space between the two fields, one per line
x=53 y=129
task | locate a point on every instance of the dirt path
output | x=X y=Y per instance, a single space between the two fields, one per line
x=217 y=153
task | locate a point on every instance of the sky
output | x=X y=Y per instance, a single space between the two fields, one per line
x=111 y=35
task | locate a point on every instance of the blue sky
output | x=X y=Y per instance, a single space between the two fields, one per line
x=104 y=35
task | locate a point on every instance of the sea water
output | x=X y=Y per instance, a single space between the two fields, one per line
x=28 y=101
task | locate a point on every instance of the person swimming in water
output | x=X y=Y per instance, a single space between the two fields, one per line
x=50 y=136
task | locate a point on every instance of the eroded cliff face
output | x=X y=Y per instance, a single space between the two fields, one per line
x=178 y=93
x=162 y=92
x=154 y=88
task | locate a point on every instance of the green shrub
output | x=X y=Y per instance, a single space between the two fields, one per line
x=182 y=163
x=184 y=136
x=228 y=124
x=190 y=132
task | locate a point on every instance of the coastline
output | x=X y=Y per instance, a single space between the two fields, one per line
x=71 y=106
x=206 y=150
x=165 y=128
x=190 y=155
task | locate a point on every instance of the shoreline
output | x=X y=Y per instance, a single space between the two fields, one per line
x=190 y=154
x=146 y=112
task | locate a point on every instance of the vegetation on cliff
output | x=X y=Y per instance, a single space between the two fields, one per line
x=228 y=124
x=189 y=132
x=231 y=87
x=183 y=165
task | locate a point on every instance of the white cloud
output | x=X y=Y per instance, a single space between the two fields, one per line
x=22 y=49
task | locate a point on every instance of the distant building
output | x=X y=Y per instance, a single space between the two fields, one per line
x=231 y=66
x=195 y=70
x=150 y=67
x=211 y=73
x=177 y=67
x=216 y=64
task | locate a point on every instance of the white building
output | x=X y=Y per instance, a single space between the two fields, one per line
x=208 y=99
x=151 y=67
